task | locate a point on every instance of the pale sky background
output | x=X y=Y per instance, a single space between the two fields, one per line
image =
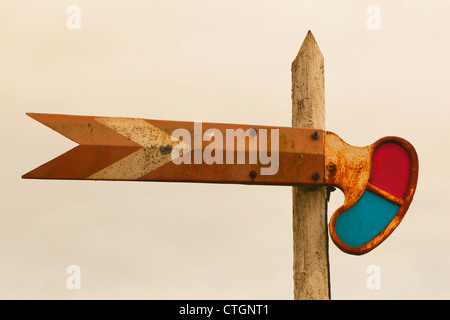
x=215 y=61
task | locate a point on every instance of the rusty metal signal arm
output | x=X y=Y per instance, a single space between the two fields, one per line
x=378 y=181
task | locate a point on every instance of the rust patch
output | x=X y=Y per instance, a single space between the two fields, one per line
x=348 y=167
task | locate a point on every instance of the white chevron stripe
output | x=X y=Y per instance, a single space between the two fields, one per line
x=144 y=160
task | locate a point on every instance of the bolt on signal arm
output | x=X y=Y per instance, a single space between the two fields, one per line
x=378 y=181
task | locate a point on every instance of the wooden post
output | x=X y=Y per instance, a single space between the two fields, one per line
x=311 y=269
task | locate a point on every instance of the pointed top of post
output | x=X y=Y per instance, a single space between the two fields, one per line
x=309 y=46
x=308 y=86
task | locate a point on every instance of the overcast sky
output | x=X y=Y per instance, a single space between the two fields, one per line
x=215 y=61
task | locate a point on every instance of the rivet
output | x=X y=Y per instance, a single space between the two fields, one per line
x=315 y=135
x=315 y=176
x=253 y=174
x=167 y=149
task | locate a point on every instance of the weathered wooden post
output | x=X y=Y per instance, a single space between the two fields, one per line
x=311 y=266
